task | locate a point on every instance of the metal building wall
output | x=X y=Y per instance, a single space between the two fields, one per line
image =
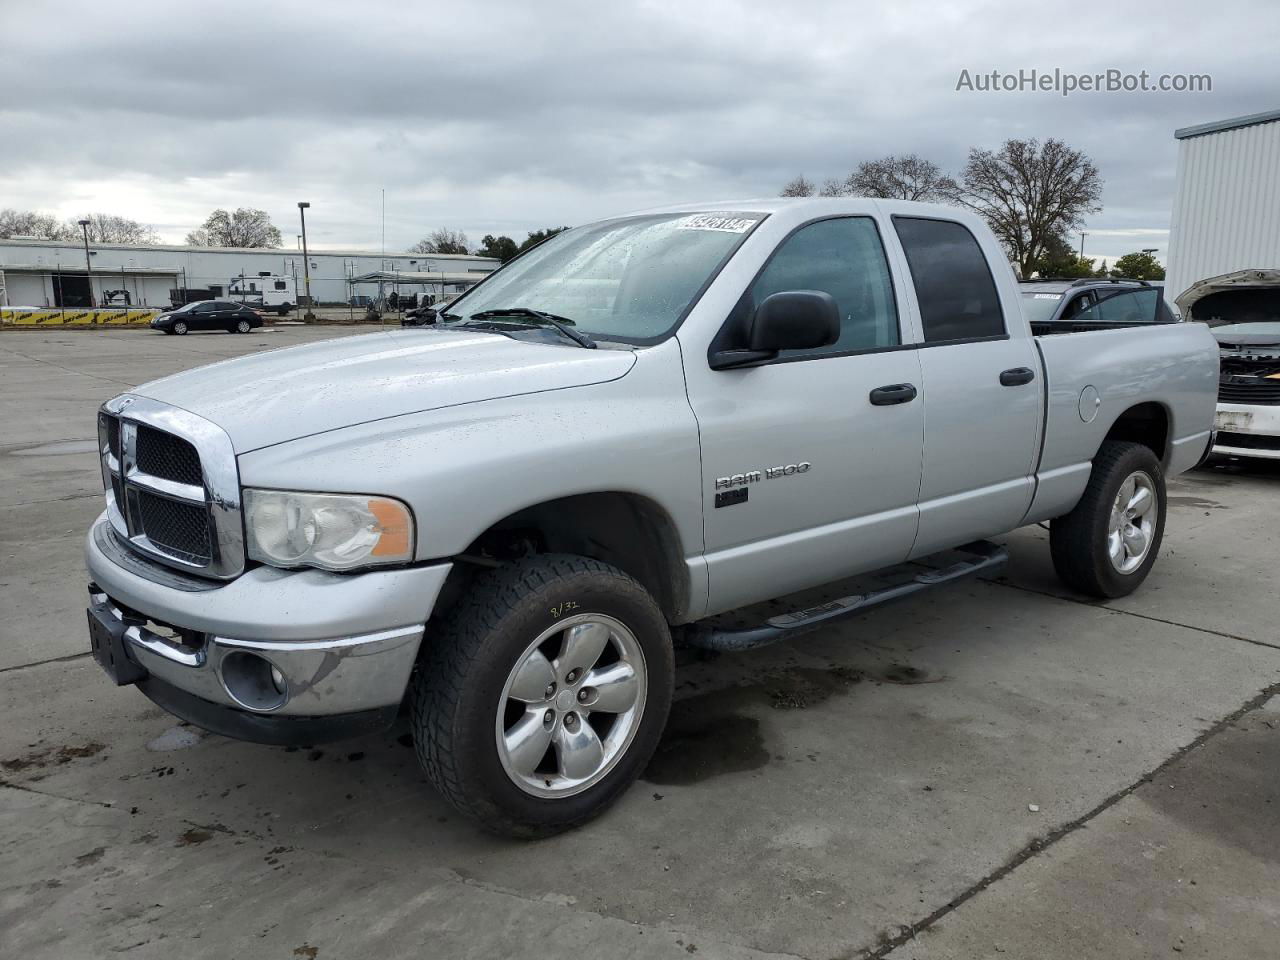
x=205 y=266
x=1226 y=207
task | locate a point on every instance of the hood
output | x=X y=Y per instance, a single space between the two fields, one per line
x=1227 y=281
x=285 y=394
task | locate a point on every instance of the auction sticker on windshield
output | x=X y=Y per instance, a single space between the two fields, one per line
x=1048 y=296
x=716 y=221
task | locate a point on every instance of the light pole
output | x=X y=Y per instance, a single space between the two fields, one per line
x=306 y=262
x=88 y=270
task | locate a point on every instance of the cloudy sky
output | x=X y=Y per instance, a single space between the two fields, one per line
x=498 y=117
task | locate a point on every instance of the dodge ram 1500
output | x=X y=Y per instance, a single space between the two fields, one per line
x=503 y=521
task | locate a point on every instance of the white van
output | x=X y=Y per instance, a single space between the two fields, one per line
x=266 y=291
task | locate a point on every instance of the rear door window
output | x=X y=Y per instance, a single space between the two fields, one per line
x=953 y=282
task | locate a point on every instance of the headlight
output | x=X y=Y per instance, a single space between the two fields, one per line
x=327 y=530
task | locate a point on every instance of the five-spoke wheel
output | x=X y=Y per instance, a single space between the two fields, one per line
x=1133 y=520
x=571 y=705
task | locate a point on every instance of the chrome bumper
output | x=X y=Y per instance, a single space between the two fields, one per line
x=338 y=644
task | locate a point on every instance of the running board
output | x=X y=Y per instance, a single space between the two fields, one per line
x=986 y=556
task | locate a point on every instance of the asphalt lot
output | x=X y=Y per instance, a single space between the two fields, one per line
x=867 y=790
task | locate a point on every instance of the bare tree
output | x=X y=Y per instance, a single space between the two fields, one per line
x=29 y=223
x=109 y=228
x=908 y=177
x=1029 y=193
x=443 y=240
x=244 y=228
x=833 y=188
x=799 y=187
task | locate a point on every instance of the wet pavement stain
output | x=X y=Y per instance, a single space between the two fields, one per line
x=1197 y=502
x=53 y=755
x=712 y=734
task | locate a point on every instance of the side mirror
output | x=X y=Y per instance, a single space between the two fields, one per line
x=791 y=320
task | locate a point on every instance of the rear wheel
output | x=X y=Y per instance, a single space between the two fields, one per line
x=544 y=695
x=1107 y=545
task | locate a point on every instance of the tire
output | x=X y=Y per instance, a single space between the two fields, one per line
x=180 y=328
x=1083 y=542
x=242 y=326
x=468 y=709
x=284 y=309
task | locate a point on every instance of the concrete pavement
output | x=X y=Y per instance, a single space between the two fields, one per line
x=864 y=791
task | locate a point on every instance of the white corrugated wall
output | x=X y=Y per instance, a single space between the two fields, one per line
x=1226 y=206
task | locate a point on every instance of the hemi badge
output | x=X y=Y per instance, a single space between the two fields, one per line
x=729 y=497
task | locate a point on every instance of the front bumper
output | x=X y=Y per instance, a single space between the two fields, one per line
x=343 y=646
x=1248 y=430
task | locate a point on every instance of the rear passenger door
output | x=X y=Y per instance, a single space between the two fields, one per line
x=982 y=392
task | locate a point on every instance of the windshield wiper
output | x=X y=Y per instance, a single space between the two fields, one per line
x=561 y=324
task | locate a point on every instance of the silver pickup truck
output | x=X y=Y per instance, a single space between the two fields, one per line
x=504 y=521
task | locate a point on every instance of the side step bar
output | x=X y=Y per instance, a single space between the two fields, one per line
x=987 y=556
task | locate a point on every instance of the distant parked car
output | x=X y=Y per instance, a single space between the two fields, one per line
x=208 y=315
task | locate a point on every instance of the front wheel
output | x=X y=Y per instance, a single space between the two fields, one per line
x=1107 y=545
x=544 y=695
x=180 y=328
x=243 y=326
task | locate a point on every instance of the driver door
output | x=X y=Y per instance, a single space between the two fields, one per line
x=811 y=470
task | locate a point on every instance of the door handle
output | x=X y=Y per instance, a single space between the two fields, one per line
x=893 y=393
x=1017 y=376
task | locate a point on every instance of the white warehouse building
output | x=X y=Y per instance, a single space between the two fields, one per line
x=47 y=273
x=1224 y=237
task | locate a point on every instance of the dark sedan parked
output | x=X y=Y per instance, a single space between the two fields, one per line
x=208 y=315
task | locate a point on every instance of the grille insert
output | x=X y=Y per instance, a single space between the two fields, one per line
x=168 y=457
x=178 y=528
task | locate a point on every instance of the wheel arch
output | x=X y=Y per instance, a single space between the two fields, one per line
x=1146 y=423
x=628 y=530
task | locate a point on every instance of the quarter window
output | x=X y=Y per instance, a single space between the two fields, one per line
x=845 y=258
x=958 y=299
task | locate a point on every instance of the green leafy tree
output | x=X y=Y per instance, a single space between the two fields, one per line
x=1138 y=266
x=1060 y=259
x=537 y=236
x=503 y=248
x=245 y=227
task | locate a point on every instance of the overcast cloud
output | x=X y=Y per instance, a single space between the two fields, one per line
x=501 y=117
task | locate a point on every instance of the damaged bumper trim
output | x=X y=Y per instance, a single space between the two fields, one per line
x=285 y=678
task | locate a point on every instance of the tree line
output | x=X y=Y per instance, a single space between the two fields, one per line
x=1032 y=194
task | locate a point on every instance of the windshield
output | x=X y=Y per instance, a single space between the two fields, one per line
x=1039 y=307
x=630 y=279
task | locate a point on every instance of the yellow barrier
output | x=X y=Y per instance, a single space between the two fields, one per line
x=106 y=317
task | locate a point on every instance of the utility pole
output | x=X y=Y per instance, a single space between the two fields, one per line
x=1082 y=236
x=88 y=270
x=306 y=258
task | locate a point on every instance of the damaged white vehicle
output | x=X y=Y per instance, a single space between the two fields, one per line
x=1242 y=310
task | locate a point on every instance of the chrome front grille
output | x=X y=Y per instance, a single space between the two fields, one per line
x=173 y=491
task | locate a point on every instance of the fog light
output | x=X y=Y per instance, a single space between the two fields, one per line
x=253 y=682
